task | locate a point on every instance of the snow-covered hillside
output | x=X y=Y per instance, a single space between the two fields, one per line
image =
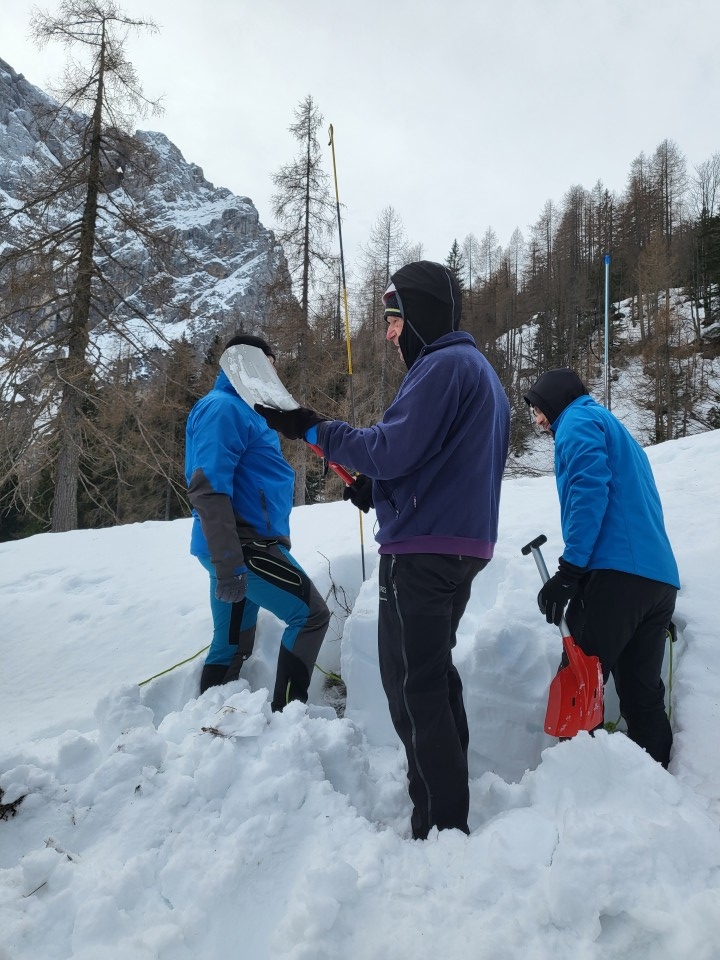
x=632 y=382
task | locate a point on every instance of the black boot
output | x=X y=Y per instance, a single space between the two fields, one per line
x=246 y=642
x=291 y=681
x=213 y=675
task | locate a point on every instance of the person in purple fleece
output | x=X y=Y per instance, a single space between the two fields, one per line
x=432 y=469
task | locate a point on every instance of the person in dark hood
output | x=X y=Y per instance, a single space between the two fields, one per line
x=429 y=305
x=617 y=572
x=432 y=469
x=241 y=490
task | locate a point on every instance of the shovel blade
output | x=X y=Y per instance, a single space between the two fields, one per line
x=575 y=701
x=254 y=378
x=563 y=717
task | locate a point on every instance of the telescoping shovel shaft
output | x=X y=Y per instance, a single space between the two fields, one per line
x=575 y=700
x=346 y=478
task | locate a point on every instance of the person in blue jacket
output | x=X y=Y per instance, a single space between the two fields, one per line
x=432 y=468
x=241 y=490
x=617 y=571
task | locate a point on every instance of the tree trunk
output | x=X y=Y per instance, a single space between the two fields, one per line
x=67 y=474
x=65 y=512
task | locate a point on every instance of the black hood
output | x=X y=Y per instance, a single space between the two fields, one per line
x=554 y=391
x=430 y=299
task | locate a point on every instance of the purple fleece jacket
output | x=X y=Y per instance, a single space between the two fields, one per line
x=437 y=456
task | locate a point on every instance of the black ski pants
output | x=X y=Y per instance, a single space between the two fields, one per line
x=622 y=619
x=422 y=598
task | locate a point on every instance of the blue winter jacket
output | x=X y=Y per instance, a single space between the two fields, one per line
x=610 y=508
x=438 y=454
x=239 y=483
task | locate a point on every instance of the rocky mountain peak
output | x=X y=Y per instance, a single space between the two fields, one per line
x=217 y=258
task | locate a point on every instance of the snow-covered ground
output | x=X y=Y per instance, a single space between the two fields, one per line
x=156 y=824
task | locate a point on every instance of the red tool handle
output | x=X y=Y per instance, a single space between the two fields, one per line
x=340 y=471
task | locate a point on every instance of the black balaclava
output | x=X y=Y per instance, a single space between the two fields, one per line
x=250 y=341
x=428 y=298
x=554 y=391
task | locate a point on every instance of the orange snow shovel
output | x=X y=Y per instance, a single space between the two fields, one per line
x=575 y=701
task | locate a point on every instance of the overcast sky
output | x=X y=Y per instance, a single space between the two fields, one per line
x=462 y=115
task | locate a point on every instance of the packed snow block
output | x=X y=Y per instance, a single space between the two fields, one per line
x=37 y=868
x=366 y=704
x=506 y=674
x=119 y=711
x=244 y=714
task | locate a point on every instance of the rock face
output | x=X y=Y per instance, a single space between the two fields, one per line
x=199 y=263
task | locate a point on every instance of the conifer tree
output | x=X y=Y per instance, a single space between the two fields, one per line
x=305 y=212
x=456 y=261
x=59 y=284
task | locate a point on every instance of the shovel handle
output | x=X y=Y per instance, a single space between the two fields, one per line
x=534 y=548
x=340 y=471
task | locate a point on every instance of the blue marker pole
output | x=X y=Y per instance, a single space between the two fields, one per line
x=607 y=331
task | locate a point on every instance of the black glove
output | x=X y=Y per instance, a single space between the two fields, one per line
x=360 y=492
x=558 y=590
x=231 y=589
x=293 y=424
